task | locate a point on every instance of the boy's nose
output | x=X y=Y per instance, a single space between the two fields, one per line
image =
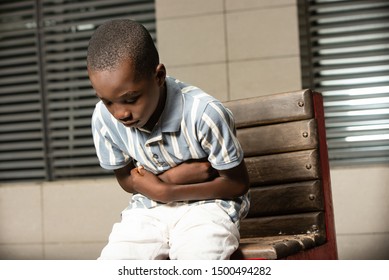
x=122 y=113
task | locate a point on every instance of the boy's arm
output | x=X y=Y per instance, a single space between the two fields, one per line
x=189 y=172
x=230 y=184
x=124 y=179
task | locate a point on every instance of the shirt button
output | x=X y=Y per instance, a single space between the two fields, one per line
x=155 y=156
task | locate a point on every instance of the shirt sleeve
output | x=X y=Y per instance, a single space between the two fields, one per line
x=217 y=135
x=108 y=153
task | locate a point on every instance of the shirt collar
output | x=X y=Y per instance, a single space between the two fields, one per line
x=172 y=114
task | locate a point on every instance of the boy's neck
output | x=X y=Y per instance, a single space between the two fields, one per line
x=158 y=111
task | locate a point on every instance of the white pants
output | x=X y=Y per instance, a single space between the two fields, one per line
x=177 y=231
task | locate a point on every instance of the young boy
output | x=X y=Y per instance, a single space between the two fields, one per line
x=171 y=145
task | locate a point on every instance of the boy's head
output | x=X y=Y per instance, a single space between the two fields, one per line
x=124 y=69
x=118 y=40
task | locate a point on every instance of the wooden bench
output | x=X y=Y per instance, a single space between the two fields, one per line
x=284 y=140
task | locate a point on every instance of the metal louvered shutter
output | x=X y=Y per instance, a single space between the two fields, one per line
x=345 y=55
x=56 y=103
x=22 y=145
x=67 y=27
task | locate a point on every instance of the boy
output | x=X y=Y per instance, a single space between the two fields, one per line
x=171 y=145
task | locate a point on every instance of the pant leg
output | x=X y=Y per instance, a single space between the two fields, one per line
x=140 y=235
x=204 y=232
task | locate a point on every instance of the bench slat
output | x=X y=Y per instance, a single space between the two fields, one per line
x=278 y=138
x=283 y=168
x=274 y=247
x=283 y=225
x=278 y=108
x=286 y=199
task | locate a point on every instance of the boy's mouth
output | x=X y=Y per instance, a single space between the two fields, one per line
x=130 y=123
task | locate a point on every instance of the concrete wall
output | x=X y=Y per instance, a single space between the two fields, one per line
x=232 y=49
x=227 y=48
x=58 y=220
x=361 y=196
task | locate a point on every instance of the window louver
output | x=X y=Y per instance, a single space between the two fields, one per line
x=22 y=146
x=60 y=100
x=345 y=55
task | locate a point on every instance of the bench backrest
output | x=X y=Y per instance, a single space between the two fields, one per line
x=284 y=141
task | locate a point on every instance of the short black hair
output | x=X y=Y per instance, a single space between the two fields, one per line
x=117 y=40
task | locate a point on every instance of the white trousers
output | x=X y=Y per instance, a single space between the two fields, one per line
x=176 y=231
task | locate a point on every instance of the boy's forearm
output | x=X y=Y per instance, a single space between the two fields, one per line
x=124 y=179
x=219 y=188
x=230 y=184
x=186 y=173
x=189 y=172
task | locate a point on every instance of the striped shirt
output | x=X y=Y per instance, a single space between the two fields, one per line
x=193 y=125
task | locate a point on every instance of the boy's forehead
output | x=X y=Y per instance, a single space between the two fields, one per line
x=121 y=82
x=124 y=64
x=124 y=70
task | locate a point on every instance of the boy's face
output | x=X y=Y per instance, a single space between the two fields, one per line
x=131 y=101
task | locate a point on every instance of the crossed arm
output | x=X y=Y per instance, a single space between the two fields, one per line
x=193 y=180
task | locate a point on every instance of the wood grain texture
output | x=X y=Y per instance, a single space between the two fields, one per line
x=283 y=168
x=298 y=197
x=278 y=138
x=277 y=108
x=274 y=247
x=283 y=225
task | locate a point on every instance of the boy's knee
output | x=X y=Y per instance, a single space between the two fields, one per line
x=209 y=237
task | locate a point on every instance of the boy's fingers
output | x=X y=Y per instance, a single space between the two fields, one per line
x=140 y=170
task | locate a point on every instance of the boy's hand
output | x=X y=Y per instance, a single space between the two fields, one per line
x=148 y=184
x=190 y=172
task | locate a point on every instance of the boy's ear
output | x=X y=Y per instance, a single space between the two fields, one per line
x=161 y=74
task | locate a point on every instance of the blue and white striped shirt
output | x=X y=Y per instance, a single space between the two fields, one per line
x=193 y=125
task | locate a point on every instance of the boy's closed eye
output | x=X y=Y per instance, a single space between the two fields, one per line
x=130 y=100
x=126 y=99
